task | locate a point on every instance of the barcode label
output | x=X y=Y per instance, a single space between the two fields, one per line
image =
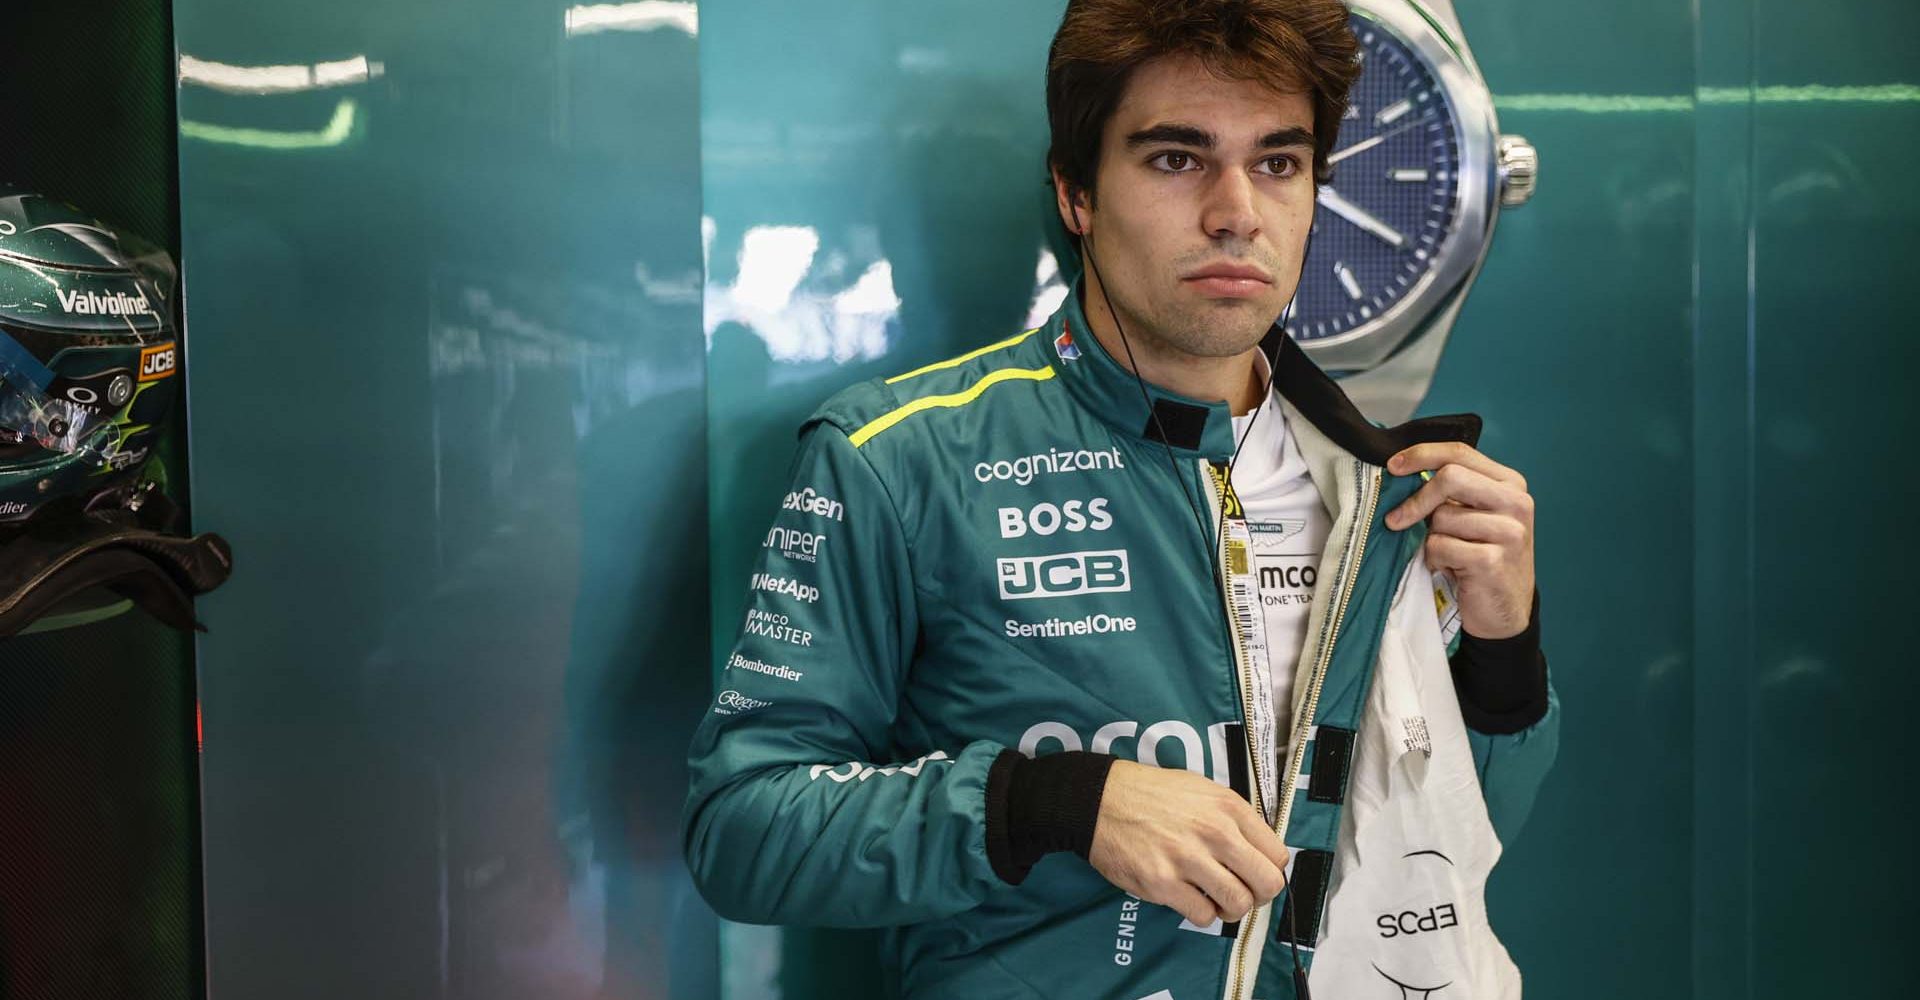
x=1250 y=635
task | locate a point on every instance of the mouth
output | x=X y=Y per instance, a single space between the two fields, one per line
x=1230 y=281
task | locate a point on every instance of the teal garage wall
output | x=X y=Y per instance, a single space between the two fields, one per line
x=443 y=282
x=1805 y=376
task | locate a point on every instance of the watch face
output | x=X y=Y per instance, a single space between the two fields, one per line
x=1381 y=221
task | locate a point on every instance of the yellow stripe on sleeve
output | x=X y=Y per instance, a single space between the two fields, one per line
x=952 y=399
x=964 y=358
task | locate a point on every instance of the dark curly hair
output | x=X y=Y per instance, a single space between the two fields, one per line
x=1290 y=45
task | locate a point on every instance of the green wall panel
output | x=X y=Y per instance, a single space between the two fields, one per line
x=1833 y=210
x=1723 y=618
x=443 y=271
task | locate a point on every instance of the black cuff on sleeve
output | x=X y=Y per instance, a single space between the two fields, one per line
x=1502 y=683
x=1041 y=805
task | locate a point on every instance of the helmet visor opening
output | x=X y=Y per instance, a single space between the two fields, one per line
x=62 y=415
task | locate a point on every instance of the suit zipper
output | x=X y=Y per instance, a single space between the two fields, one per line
x=1234 y=632
x=1255 y=922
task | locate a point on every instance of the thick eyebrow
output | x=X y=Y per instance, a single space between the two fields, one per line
x=1292 y=135
x=1173 y=132
x=1199 y=138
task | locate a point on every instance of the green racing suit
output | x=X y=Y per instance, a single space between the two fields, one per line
x=996 y=574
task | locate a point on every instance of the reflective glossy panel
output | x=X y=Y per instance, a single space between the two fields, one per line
x=1833 y=209
x=443 y=272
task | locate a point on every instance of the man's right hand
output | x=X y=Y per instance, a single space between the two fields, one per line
x=1175 y=838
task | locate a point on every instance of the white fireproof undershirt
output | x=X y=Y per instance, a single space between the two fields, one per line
x=1289 y=525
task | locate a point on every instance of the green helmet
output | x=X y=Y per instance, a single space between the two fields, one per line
x=89 y=359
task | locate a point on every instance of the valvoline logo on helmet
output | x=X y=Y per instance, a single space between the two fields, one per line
x=110 y=304
x=1064 y=346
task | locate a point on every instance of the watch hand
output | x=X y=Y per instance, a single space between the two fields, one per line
x=1360 y=217
x=1366 y=144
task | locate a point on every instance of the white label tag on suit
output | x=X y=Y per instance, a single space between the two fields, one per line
x=1243 y=589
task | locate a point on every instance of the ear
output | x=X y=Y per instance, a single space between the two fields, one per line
x=1076 y=209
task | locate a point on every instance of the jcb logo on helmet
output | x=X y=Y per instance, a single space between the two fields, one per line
x=158 y=362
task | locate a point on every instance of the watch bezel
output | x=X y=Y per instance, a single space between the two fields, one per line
x=1475 y=135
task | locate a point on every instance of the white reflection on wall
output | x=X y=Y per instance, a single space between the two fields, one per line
x=277 y=79
x=793 y=307
x=646 y=15
x=1049 y=290
x=773 y=259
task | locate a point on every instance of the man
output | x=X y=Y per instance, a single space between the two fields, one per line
x=1051 y=638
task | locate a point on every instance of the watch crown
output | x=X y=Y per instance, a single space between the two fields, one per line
x=1519 y=170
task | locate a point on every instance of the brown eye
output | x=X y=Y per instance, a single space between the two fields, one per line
x=1175 y=162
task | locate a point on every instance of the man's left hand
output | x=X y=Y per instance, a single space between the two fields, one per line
x=1480 y=527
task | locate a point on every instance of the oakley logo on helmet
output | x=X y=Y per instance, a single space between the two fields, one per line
x=95 y=304
x=1030 y=577
x=109 y=388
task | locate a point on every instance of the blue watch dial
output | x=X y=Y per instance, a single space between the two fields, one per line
x=1392 y=200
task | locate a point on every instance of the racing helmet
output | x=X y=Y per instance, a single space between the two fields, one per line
x=89 y=358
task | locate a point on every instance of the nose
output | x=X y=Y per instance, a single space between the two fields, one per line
x=1228 y=211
